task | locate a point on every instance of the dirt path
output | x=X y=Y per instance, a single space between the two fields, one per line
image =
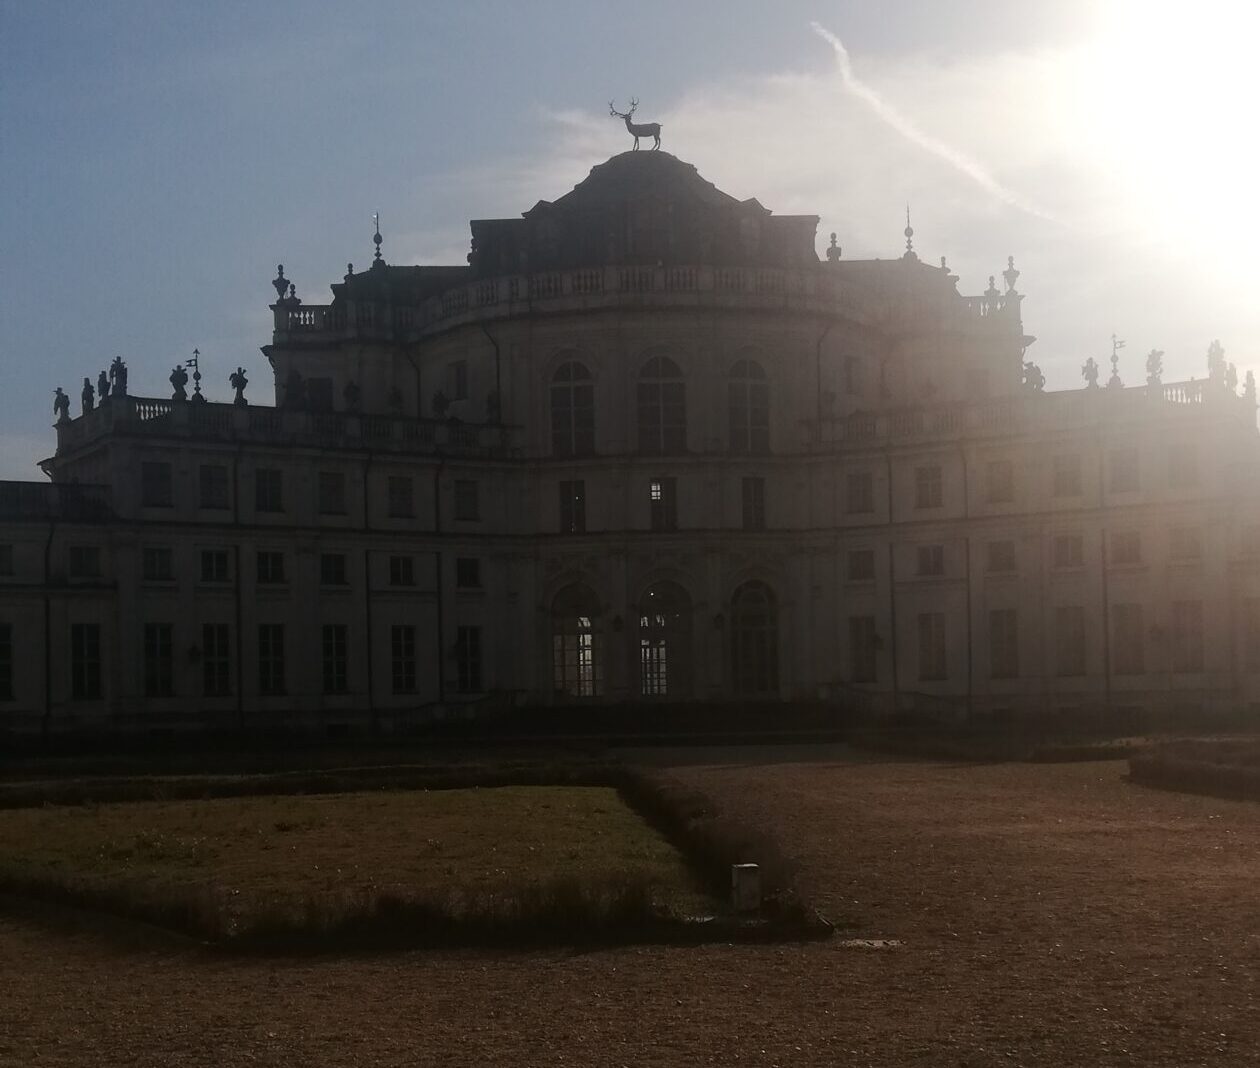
x=1051 y=915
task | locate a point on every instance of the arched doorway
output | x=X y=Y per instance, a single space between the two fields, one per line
x=577 y=668
x=665 y=659
x=754 y=641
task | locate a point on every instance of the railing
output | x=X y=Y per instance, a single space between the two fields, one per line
x=54 y=500
x=813 y=289
x=1066 y=409
x=147 y=416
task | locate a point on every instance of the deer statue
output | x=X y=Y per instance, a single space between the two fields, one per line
x=637 y=129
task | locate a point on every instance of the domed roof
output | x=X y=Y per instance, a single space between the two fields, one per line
x=641 y=208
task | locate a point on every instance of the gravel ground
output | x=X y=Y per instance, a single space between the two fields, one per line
x=1050 y=915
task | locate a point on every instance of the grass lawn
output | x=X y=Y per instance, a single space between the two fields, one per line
x=456 y=850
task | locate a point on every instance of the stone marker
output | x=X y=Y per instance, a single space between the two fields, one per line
x=745 y=887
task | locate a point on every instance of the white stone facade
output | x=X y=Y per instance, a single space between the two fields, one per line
x=830 y=486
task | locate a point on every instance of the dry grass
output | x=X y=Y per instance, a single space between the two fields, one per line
x=340 y=867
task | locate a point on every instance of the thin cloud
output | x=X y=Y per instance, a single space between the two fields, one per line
x=890 y=115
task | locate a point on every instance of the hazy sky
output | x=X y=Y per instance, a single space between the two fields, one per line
x=157 y=160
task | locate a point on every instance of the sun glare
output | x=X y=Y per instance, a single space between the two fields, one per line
x=1169 y=93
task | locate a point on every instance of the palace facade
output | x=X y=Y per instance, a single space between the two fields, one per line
x=644 y=446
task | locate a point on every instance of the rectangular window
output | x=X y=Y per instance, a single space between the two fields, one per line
x=468 y=572
x=332 y=493
x=270 y=567
x=85 y=561
x=1067 y=475
x=332 y=569
x=214 y=565
x=1068 y=550
x=1126 y=547
x=931 y=646
x=1187 y=636
x=402 y=658
x=6 y=560
x=1128 y=640
x=85 y=661
x=859 y=492
x=402 y=571
x=573 y=507
x=754 y=503
x=268 y=490
x=927 y=486
x=270 y=659
x=335 y=658
x=1000 y=484
x=663 y=497
x=1185 y=543
x=6 y=661
x=1251 y=633
x=457 y=380
x=468 y=659
x=863 y=647
x=861 y=565
x=157 y=486
x=213 y=486
x=1183 y=466
x=1000 y=556
x=853 y=379
x=1003 y=644
x=159 y=660
x=1123 y=470
x=402 y=503
x=216 y=660
x=157 y=563
x=1069 y=640
x=467 y=500
x=931 y=560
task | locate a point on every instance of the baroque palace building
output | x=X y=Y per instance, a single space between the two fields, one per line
x=644 y=446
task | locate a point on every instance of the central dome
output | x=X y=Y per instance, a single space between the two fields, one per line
x=641 y=208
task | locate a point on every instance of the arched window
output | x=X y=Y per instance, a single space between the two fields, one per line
x=749 y=396
x=572 y=411
x=754 y=641
x=577 y=668
x=662 y=400
x=665 y=641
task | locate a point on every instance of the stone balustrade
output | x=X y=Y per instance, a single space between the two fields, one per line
x=155 y=417
x=813 y=290
x=1031 y=412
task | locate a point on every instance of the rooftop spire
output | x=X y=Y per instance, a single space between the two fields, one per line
x=376 y=238
x=909 y=232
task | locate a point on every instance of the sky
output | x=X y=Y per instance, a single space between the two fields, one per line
x=157 y=160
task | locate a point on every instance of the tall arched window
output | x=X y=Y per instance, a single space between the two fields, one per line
x=572 y=411
x=749 y=396
x=662 y=400
x=754 y=641
x=665 y=641
x=577 y=668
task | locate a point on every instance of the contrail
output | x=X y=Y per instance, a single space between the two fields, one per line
x=911 y=132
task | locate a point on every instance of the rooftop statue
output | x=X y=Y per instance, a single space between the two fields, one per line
x=1089 y=370
x=179 y=379
x=61 y=406
x=1154 y=367
x=102 y=386
x=88 y=396
x=118 y=376
x=238 y=382
x=637 y=129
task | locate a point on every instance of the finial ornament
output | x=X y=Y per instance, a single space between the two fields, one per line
x=280 y=282
x=179 y=379
x=195 y=364
x=376 y=237
x=1154 y=367
x=909 y=254
x=1114 y=381
x=944 y=265
x=833 y=250
x=1011 y=274
x=637 y=129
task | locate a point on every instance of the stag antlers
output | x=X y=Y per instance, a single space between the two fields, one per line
x=612 y=109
